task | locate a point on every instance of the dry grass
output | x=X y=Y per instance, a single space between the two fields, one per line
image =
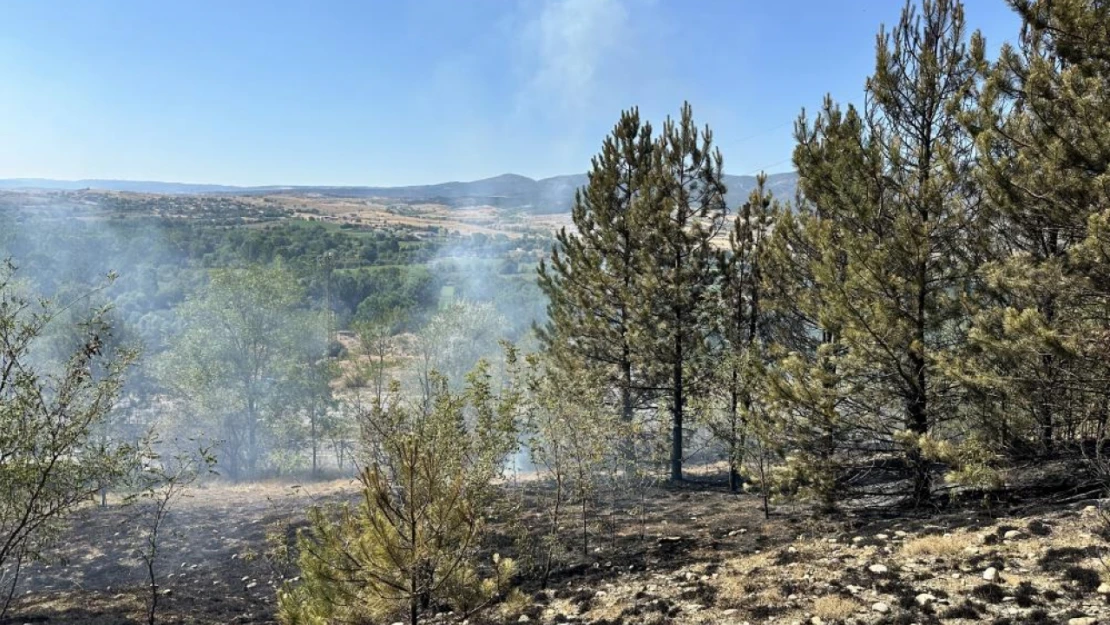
x=746 y=584
x=1078 y=536
x=834 y=607
x=767 y=597
x=937 y=545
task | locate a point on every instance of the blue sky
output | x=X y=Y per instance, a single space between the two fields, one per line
x=388 y=92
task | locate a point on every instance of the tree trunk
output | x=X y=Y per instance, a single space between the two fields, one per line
x=252 y=437
x=917 y=406
x=585 y=529
x=919 y=425
x=1044 y=399
x=733 y=450
x=312 y=421
x=676 y=409
x=763 y=488
x=626 y=386
x=627 y=445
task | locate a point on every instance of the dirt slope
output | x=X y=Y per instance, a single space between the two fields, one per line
x=704 y=556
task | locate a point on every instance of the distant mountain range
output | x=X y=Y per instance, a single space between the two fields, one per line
x=134 y=186
x=509 y=191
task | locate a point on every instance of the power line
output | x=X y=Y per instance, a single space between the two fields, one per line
x=764 y=168
x=763 y=132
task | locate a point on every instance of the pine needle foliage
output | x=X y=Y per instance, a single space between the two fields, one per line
x=685 y=211
x=898 y=219
x=593 y=278
x=412 y=543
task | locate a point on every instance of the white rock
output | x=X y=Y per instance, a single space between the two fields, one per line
x=1012 y=535
x=990 y=574
x=881 y=536
x=881 y=608
x=1104 y=589
x=924 y=599
x=878 y=569
x=1082 y=620
x=523 y=619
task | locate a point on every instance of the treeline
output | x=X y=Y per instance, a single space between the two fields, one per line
x=934 y=300
x=358 y=275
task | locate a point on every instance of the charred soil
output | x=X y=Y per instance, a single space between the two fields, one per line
x=696 y=554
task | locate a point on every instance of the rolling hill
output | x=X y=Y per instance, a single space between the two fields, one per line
x=507 y=191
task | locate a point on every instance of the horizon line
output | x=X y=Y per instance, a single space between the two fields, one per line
x=33 y=179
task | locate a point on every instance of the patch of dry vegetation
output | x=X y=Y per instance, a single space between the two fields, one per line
x=834 y=608
x=936 y=545
x=753 y=584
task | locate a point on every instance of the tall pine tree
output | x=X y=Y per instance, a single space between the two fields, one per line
x=592 y=280
x=1044 y=148
x=684 y=213
x=807 y=382
x=890 y=184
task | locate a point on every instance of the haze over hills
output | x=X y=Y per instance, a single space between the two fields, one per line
x=134 y=186
x=508 y=191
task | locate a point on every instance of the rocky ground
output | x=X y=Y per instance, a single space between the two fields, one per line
x=702 y=556
x=1047 y=569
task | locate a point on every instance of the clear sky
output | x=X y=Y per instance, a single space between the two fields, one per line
x=385 y=92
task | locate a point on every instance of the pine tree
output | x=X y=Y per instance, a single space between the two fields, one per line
x=686 y=210
x=594 y=272
x=741 y=320
x=811 y=408
x=889 y=184
x=1044 y=149
x=412 y=543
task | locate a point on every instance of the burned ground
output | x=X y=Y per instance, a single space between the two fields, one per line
x=700 y=555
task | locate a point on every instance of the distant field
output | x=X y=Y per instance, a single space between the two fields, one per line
x=372 y=212
x=352 y=213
